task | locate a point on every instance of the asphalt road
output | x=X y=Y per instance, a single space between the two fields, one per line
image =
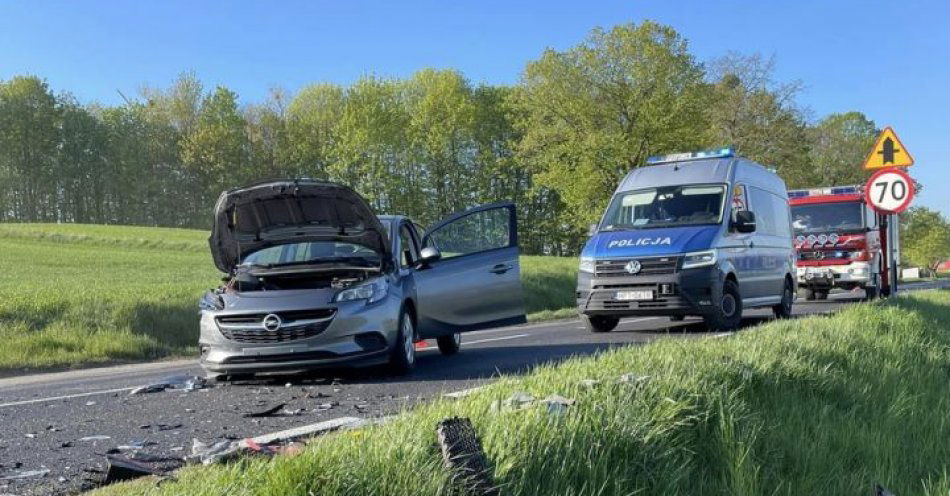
x=45 y=418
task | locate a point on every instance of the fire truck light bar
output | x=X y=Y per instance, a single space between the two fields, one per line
x=835 y=190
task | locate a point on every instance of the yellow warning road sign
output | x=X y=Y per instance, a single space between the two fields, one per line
x=888 y=151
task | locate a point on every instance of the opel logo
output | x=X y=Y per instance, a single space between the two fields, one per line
x=272 y=322
x=632 y=267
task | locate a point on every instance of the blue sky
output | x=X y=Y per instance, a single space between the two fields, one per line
x=890 y=60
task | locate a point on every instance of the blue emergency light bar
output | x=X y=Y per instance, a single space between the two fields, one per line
x=835 y=190
x=682 y=157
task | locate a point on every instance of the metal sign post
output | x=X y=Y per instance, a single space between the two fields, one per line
x=889 y=191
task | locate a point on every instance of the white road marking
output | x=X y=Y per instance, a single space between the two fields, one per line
x=66 y=396
x=500 y=338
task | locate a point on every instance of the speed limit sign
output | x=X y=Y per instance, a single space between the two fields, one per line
x=889 y=191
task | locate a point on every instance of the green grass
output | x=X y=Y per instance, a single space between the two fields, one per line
x=824 y=405
x=75 y=294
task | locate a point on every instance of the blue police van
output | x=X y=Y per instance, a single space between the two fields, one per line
x=704 y=234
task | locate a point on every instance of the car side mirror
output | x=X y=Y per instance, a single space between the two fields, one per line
x=429 y=254
x=592 y=229
x=745 y=221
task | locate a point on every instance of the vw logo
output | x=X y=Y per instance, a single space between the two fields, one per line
x=632 y=267
x=271 y=322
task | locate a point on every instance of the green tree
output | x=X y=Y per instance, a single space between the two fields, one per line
x=748 y=110
x=594 y=112
x=312 y=119
x=216 y=151
x=925 y=237
x=840 y=143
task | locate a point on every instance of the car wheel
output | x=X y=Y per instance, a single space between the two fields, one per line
x=600 y=323
x=809 y=294
x=784 y=309
x=403 y=357
x=451 y=344
x=728 y=313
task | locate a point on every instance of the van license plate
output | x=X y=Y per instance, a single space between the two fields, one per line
x=635 y=295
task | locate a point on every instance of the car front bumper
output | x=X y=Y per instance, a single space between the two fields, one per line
x=358 y=335
x=851 y=275
x=687 y=292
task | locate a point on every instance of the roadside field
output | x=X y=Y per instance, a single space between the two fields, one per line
x=75 y=294
x=822 y=405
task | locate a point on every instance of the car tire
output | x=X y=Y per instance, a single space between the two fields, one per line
x=402 y=358
x=784 y=309
x=809 y=294
x=600 y=323
x=728 y=313
x=677 y=318
x=449 y=345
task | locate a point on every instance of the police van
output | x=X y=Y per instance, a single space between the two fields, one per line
x=703 y=233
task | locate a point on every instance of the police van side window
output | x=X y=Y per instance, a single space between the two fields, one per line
x=783 y=217
x=763 y=208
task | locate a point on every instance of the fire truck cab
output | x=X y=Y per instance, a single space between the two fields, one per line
x=838 y=241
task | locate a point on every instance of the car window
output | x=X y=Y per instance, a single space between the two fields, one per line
x=665 y=207
x=407 y=247
x=480 y=231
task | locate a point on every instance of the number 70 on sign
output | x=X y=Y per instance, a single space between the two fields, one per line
x=889 y=191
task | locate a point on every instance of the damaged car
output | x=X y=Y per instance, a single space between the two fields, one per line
x=315 y=279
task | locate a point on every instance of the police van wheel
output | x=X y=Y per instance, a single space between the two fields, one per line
x=598 y=323
x=784 y=309
x=809 y=294
x=728 y=314
x=449 y=345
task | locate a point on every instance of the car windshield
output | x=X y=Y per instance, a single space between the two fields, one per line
x=313 y=252
x=665 y=207
x=827 y=217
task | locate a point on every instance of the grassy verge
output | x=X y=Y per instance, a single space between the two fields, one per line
x=78 y=294
x=825 y=405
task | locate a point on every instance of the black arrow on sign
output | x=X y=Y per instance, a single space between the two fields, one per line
x=888 y=151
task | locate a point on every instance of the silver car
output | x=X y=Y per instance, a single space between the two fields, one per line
x=315 y=279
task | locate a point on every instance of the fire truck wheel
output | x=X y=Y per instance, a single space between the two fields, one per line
x=871 y=292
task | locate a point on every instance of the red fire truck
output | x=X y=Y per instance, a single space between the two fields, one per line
x=838 y=240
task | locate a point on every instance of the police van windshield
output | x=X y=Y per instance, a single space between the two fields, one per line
x=688 y=205
x=839 y=216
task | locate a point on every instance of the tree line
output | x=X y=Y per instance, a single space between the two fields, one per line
x=557 y=142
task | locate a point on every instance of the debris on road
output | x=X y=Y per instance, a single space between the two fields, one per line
x=270 y=412
x=517 y=401
x=123 y=469
x=27 y=474
x=463 y=455
x=186 y=383
x=213 y=452
x=95 y=438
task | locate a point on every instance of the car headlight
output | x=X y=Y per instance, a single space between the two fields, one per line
x=699 y=259
x=372 y=291
x=587 y=265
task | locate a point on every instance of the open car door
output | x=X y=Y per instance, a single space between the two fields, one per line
x=477 y=281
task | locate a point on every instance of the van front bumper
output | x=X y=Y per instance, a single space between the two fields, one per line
x=684 y=292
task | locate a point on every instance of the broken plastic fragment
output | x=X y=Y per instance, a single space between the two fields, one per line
x=209 y=453
x=95 y=438
x=557 y=405
x=270 y=412
x=122 y=469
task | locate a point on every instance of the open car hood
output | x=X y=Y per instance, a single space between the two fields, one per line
x=290 y=211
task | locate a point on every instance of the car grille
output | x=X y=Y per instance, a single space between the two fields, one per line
x=296 y=325
x=648 y=267
x=823 y=255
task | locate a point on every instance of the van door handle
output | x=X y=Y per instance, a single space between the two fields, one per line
x=751 y=244
x=501 y=268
